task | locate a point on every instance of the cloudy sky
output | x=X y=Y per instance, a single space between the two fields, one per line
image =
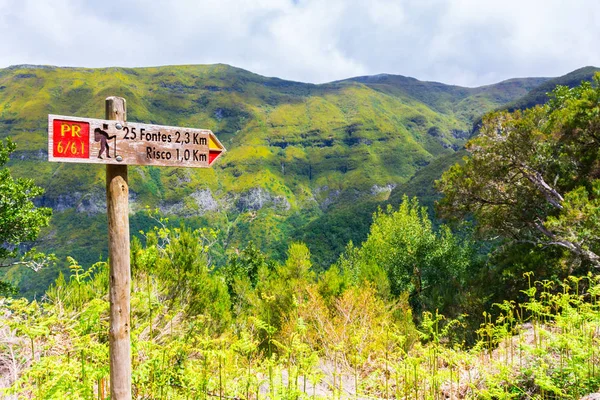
x=465 y=42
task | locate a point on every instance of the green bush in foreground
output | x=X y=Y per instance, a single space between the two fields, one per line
x=291 y=334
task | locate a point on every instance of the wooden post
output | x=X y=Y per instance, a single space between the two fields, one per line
x=117 y=202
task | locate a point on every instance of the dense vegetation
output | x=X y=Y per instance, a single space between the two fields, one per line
x=20 y=220
x=502 y=304
x=261 y=329
x=305 y=162
x=532 y=183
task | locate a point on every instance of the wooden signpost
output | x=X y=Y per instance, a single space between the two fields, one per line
x=118 y=143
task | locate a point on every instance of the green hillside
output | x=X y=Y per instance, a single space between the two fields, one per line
x=466 y=104
x=507 y=308
x=334 y=229
x=298 y=154
x=539 y=94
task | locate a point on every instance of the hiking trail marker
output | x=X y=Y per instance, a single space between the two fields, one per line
x=99 y=141
x=118 y=143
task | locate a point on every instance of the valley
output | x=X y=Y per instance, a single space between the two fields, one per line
x=304 y=162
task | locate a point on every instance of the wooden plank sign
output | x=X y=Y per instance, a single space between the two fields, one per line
x=99 y=141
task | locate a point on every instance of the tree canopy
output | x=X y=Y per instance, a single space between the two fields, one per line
x=404 y=254
x=533 y=175
x=20 y=219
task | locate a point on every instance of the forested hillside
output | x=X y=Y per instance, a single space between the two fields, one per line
x=499 y=302
x=298 y=154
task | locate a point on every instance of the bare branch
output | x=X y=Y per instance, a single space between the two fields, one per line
x=575 y=248
x=551 y=194
x=35 y=265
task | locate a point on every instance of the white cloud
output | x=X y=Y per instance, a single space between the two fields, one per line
x=468 y=42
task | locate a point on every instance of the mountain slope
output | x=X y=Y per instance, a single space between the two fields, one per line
x=466 y=104
x=294 y=128
x=539 y=94
x=345 y=222
x=296 y=152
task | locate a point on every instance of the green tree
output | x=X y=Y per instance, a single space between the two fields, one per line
x=20 y=219
x=245 y=264
x=282 y=288
x=177 y=259
x=403 y=249
x=532 y=175
x=242 y=273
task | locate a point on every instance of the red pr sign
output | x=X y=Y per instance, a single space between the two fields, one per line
x=71 y=139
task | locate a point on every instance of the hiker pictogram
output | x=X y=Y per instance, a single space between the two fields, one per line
x=103 y=137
